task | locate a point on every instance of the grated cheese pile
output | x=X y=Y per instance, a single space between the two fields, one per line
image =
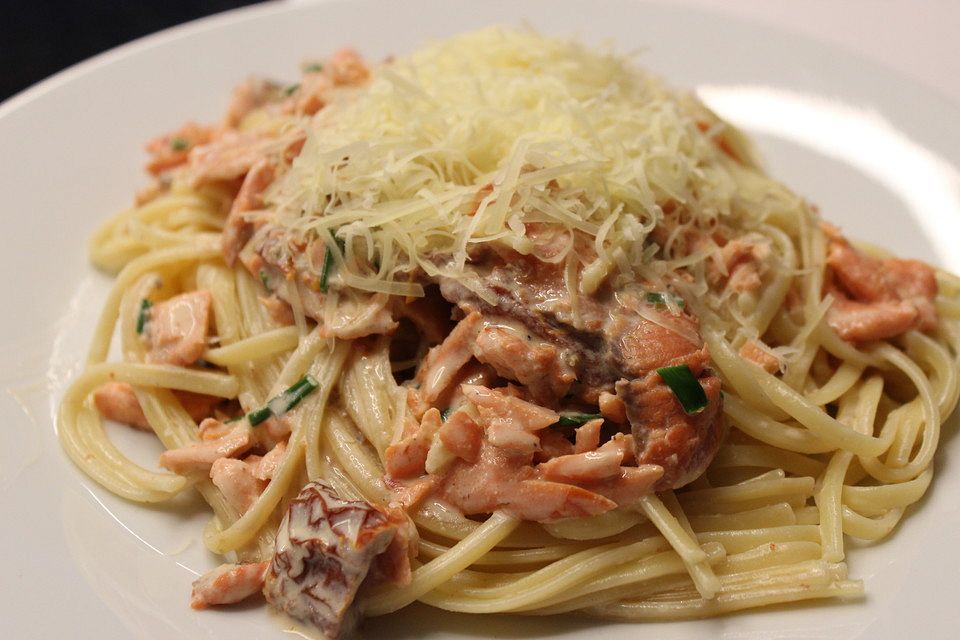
x=470 y=139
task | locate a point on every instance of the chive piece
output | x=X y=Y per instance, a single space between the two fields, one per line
x=686 y=387
x=656 y=297
x=179 y=144
x=313 y=67
x=285 y=401
x=264 y=279
x=292 y=89
x=328 y=262
x=446 y=413
x=145 y=305
x=259 y=415
x=575 y=419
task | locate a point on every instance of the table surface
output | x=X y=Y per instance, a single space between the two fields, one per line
x=917 y=38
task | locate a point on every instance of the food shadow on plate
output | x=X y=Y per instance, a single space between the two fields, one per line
x=422 y=621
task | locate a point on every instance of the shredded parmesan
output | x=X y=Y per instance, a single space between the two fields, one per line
x=471 y=139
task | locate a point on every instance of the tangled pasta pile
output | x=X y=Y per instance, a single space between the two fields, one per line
x=507 y=325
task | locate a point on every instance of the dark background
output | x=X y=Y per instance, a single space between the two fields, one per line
x=41 y=37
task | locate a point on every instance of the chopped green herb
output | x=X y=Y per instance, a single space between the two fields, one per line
x=292 y=89
x=313 y=67
x=686 y=387
x=259 y=415
x=328 y=263
x=179 y=144
x=285 y=401
x=264 y=279
x=142 y=316
x=656 y=297
x=576 y=419
x=446 y=413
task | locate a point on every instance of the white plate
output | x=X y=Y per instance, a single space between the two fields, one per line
x=877 y=153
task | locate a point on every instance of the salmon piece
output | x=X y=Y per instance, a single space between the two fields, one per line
x=268 y=464
x=293 y=149
x=324 y=551
x=344 y=68
x=624 y=444
x=590 y=466
x=407 y=458
x=496 y=407
x=750 y=247
x=515 y=391
x=515 y=441
x=482 y=193
x=588 y=436
x=553 y=445
x=865 y=321
x=612 y=407
x=756 y=354
x=312 y=95
x=487 y=484
x=279 y=310
x=629 y=485
x=877 y=298
x=472 y=373
x=117 y=401
x=237 y=482
x=499 y=480
x=249 y=96
x=416 y=407
x=201 y=456
x=862 y=276
x=291 y=268
x=462 y=436
x=227 y=584
x=739 y=261
x=213 y=429
x=406 y=494
x=534 y=363
x=227 y=158
x=239 y=228
x=666 y=435
x=278 y=429
x=393 y=565
x=916 y=282
x=647 y=346
x=543 y=501
x=347 y=67
x=510 y=423
x=198 y=405
x=442 y=363
x=744 y=278
x=176 y=330
x=232 y=155
x=171 y=150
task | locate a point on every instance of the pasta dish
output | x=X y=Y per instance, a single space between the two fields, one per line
x=506 y=325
